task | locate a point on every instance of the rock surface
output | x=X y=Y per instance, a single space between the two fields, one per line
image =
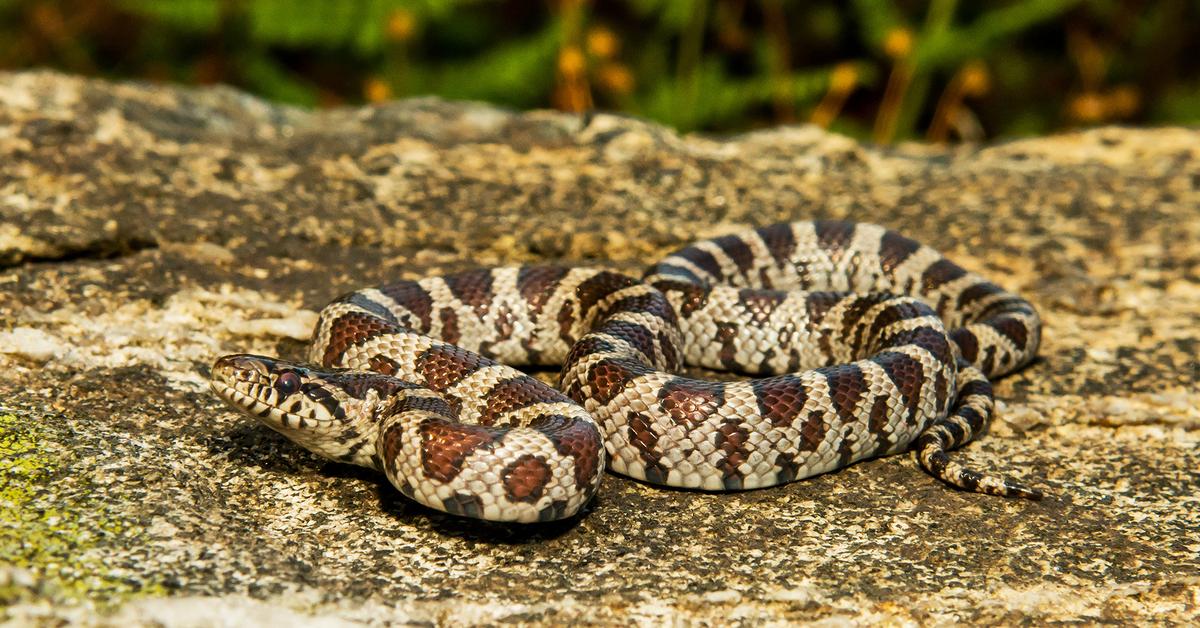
x=145 y=230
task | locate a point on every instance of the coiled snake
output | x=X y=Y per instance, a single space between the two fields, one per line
x=848 y=323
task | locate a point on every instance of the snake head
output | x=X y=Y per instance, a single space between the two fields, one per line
x=332 y=412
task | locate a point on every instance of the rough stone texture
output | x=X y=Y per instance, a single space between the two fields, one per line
x=145 y=230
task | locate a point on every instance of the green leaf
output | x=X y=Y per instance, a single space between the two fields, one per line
x=672 y=15
x=1180 y=105
x=195 y=16
x=520 y=73
x=723 y=100
x=877 y=18
x=355 y=24
x=441 y=10
x=951 y=47
x=273 y=80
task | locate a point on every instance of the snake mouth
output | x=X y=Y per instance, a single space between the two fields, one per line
x=268 y=389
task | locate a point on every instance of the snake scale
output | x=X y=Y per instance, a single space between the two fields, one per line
x=865 y=343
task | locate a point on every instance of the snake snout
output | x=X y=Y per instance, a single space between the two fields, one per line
x=240 y=368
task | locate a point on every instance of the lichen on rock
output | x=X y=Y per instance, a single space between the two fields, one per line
x=57 y=535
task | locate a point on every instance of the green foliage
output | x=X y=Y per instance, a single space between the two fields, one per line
x=514 y=73
x=188 y=16
x=880 y=69
x=1180 y=105
x=877 y=18
x=945 y=46
x=711 y=98
x=671 y=15
x=355 y=25
x=269 y=77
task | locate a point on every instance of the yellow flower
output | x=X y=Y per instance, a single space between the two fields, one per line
x=616 y=78
x=400 y=25
x=898 y=43
x=571 y=62
x=376 y=90
x=602 y=43
x=976 y=81
x=1088 y=107
x=1123 y=101
x=843 y=78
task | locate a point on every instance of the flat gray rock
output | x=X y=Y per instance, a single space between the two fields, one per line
x=145 y=230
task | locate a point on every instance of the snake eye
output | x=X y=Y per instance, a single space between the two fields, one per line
x=288 y=383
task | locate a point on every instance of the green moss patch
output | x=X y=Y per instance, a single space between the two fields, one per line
x=55 y=526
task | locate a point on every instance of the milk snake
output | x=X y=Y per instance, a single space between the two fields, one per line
x=847 y=323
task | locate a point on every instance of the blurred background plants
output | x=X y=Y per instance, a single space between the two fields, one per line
x=883 y=70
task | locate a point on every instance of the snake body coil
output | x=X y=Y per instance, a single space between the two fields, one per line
x=848 y=321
